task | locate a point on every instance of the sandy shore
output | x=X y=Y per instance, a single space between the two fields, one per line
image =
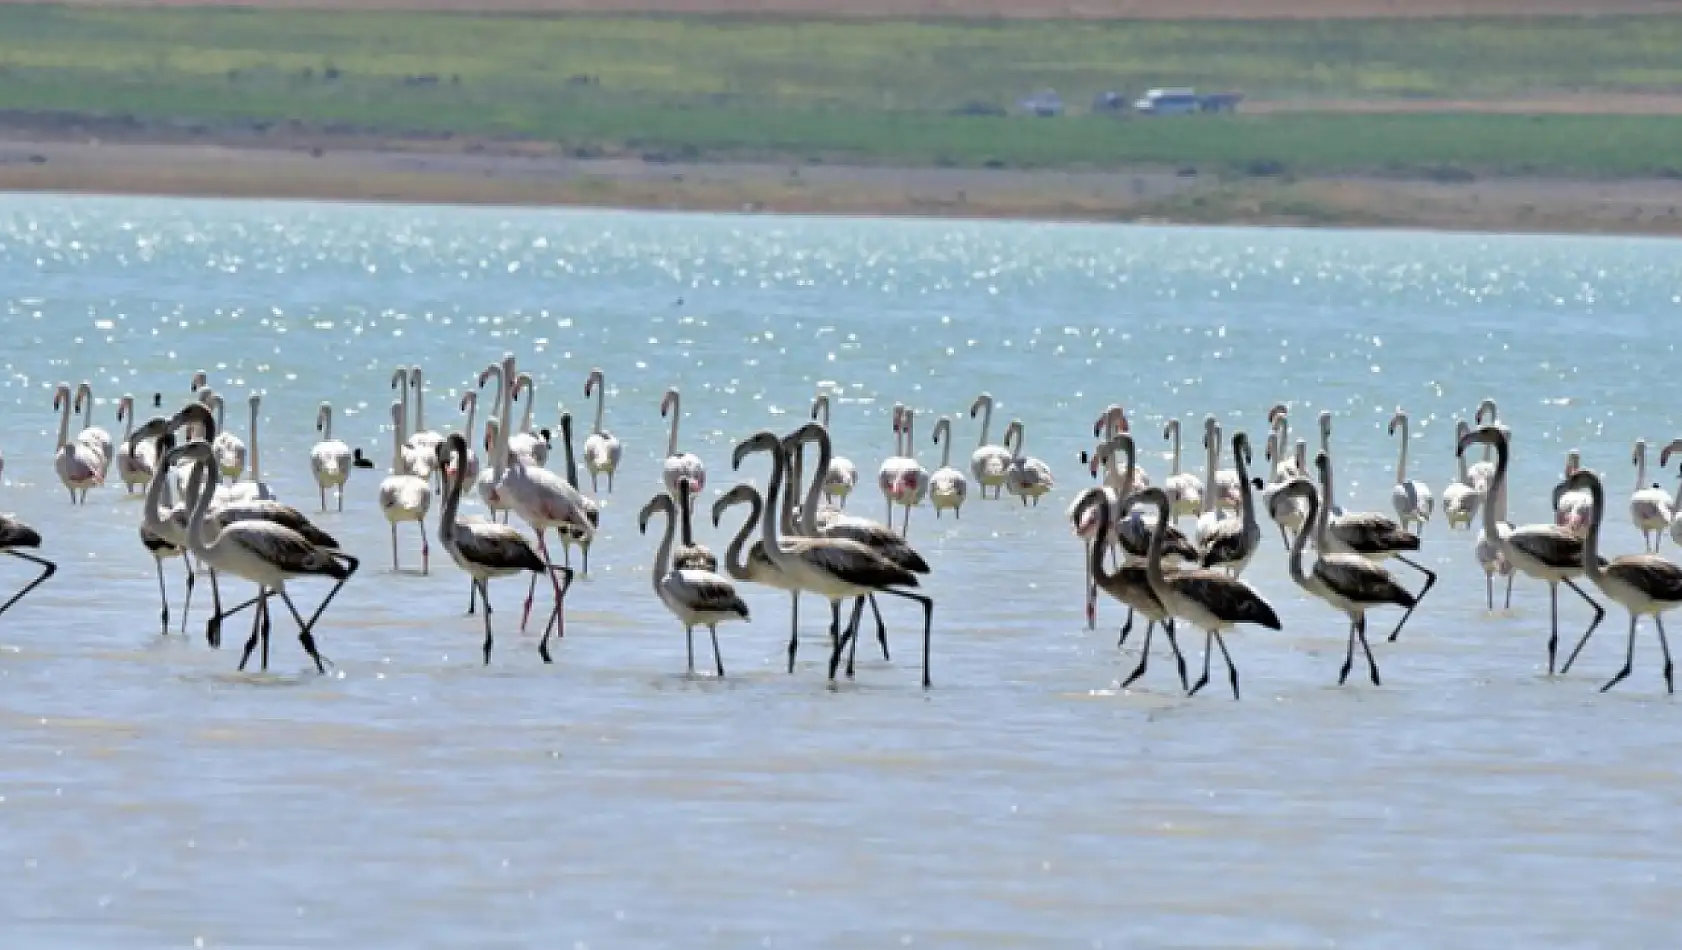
x=487 y=173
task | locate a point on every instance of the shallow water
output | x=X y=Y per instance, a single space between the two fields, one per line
x=151 y=796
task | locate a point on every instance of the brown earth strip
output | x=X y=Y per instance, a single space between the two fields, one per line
x=372 y=174
x=983 y=9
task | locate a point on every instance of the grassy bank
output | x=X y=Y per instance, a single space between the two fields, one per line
x=894 y=91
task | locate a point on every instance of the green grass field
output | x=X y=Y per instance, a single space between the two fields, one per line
x=886 y=91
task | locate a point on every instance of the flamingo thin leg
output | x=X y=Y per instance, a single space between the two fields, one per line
x=1599 y=613
x=1430 y=581
x=558 y=618
x=48 y=568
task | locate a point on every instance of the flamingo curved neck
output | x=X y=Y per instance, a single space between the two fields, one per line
x=1326 y=490
x=499 y=450
x=1097 y=549
x=201 y=488
x=1640 y=465
x=1124 y=476
x=1211 y=435
x=64 y=419
x=1300 y=542
x=403 y=399
x=662 y=557
x=566 y=449
x=944 y=428
x=768 y=520
x=525 y=385
x=1591 y=541
x=1402 y=459
x=157 y=494
x=1244 y=488
x=601 y=404
x=452 y=499
x=1174 y=432
x=419 y=382
x=1497 y=489
x=256 y=464
x=910 y=446
x=734 y=563
x=809 y=512
x=1460 y=457
x=1159 y=538
x=986 y=421
x=673 y=400
x=472 y=410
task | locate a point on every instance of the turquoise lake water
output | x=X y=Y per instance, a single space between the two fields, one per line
x=151 y=796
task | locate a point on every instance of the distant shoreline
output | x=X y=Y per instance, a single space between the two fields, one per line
x=516 y=174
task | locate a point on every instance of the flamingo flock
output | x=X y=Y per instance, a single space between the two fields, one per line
x=205 y=502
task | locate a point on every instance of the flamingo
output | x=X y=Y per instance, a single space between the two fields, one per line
x=842 y=476
x=836 y=569
x=878 y=537
x=79 y=465
x=757 y=567
x=1127 y=584
x=330 y=459
x=695 y=597
x=1184 y=489
x=1348 y=582
x=988 y=463
x=888 y=477
x=405 y=497
x=1209 y=600
x=15 y=538
x=540 y=497
x=1411 y=498
x=1027 y=477
x=95 y=437
x=679 y=466
x=1549 y=553
x=1233 y=541
x=1371 y=535
x=1332 y=507
x=1645 y=584
x=134 y=467
x=602 y=450
x=1461 y=498
x=911 y=480
x=1650 y=507
x=265 y=553
x=484 y=550
x=161 y=534
x=947 y=486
